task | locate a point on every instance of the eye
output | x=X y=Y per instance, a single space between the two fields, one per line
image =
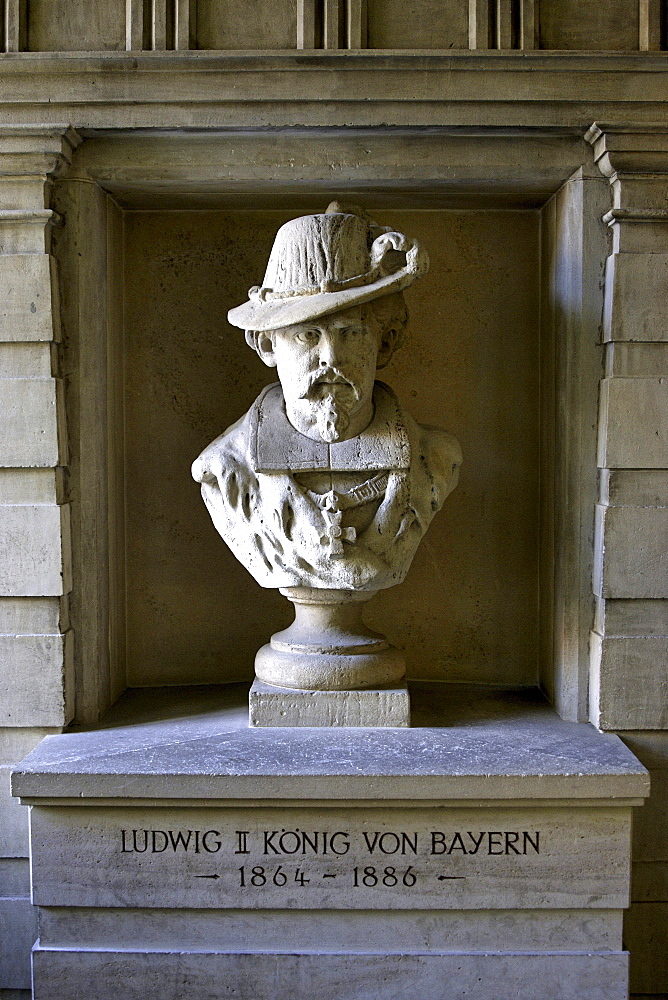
x=308 y=337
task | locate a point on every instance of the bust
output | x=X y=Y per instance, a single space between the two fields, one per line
x=326 y=482
x=326 y=486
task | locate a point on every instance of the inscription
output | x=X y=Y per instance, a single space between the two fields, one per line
x=259 y=876
x=159 y=841
x=268 y=853
x=320 y=843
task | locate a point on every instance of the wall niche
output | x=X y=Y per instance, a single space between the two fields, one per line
x=496 y=331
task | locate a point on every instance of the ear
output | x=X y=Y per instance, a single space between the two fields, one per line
x=386 y=348
x=264 y=345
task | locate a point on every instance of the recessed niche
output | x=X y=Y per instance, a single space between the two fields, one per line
x=503 y=350
x=468 y=610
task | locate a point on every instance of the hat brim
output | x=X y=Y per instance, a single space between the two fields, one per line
x=272 y=314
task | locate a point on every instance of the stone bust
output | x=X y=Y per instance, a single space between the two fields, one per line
x=326 y=482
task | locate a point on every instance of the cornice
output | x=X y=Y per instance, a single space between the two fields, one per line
x=339 y=59
x=629 y=148
x=39 y=149
x=194 y=89
x=354 y=79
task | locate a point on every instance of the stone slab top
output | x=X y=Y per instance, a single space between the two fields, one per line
x=467 y=742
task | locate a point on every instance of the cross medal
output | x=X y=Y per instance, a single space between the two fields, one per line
x=336 y=535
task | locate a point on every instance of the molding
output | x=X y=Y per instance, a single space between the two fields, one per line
x=47 y=130
x=635 y=215
x=191 y=88
x=38 y=215
x=599 y=129
x=442 y=167
x=207 y=60
x=629 y=148
x=605 y=801
x=36 y=150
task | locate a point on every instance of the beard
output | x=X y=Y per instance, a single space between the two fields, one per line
x=331 y=416
x=328 y=403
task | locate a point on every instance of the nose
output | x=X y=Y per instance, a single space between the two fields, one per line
x=329 y=349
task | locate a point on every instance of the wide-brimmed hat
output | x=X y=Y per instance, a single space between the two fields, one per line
x=322 y=263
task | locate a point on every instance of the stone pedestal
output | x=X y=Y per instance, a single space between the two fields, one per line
x=328 y=668
x=483 y=853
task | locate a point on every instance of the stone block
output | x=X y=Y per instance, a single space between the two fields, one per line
x=634 y=487
x=629 y=682
x=223 y=25
x=591 y=24
x=636 y=360
x=354 y=931
x=26 y=360
x=34 y=551
x=631 y=554
x=650 y=823
x=36 y=680
x=343 y=862
x=273 y=706
x=18 y=931
x=20 y=189
x=633 y=423
x=646 y=937
x=15 y=877
x=329 y=976
x=16 y=742
x=26 y=305
x=649 y=881
x=30 y=433
x=31 y=486
x=636 y=288
x=63 y=25
x=14 y=835
x=468 y=742
x=33 y=615
x=389 y=858
x=424 y=25
x=631 y=617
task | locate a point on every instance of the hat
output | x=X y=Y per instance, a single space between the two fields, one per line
x=322 y=263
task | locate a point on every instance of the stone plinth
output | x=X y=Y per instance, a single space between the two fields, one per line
x=275 y=706
x=178 y=852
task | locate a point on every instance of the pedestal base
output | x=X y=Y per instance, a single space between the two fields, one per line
x=482 y=853
x=329 y=648
x=275 y=706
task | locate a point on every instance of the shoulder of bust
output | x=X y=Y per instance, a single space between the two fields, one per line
x=441 y=457
x=230 y=447
x=441 y=444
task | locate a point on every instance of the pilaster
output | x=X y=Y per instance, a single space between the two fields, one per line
x=629 y=681
x=36 y=695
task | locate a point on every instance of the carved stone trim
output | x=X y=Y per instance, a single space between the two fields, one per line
x=635 y=215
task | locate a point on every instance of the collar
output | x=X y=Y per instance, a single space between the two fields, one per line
x=275 y=445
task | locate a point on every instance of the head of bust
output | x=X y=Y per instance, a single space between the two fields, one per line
x=329 y=313
x=327 y=366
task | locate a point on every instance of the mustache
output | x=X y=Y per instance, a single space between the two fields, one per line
x=328 y=376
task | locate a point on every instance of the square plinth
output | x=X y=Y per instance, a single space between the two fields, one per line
x=270 y=706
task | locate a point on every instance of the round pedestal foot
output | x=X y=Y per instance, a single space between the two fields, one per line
x=328 y=647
